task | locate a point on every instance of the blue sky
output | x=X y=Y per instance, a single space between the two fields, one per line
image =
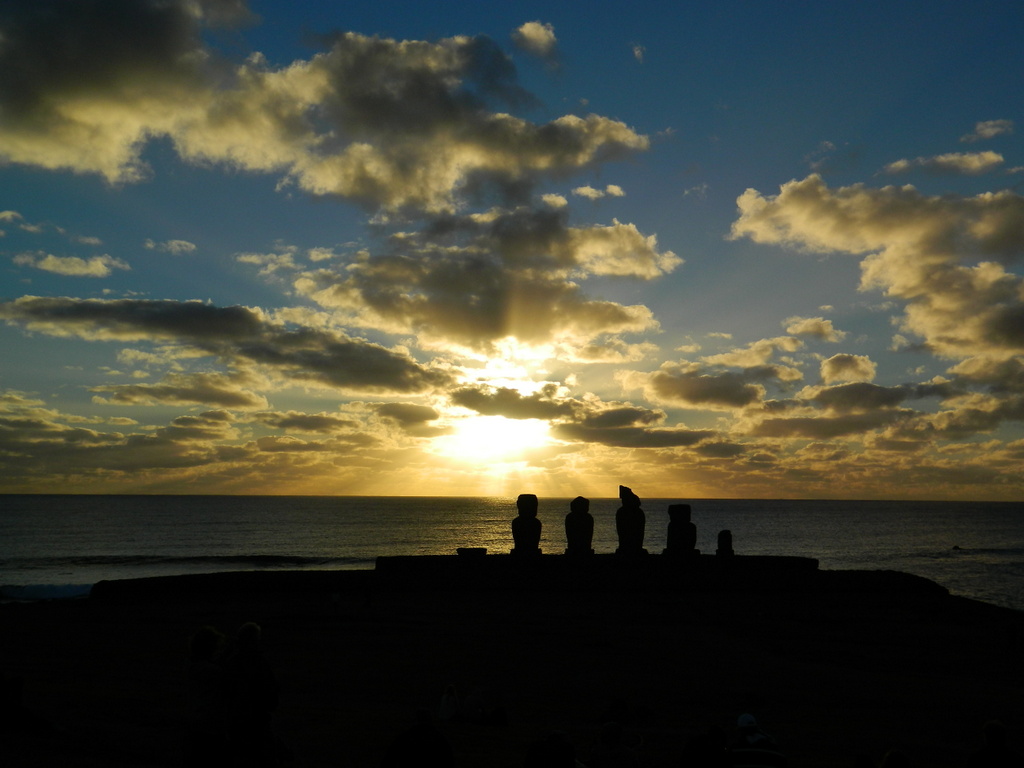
x=739 y=250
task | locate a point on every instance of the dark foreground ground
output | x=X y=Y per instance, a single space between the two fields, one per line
x=844 y=663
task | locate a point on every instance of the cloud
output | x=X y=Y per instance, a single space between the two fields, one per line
x=816 y=327
x=588 y=192
x=828 y=427
x=945 y=257
x=864 y=396
x=281 y=260
x=85 y=84
x=204 y=388
x=237 y=335
x=392 y=124
x=536 y=38
x=581 y=421
x=510 y=403
x=612 y=190
x=609 y=350
x=757 y=355
x=688 y=385
x=321 y=254
x=631 y=437
x=305 y=423
x=176 y=247
x=966 y=163
x=468 y=282
x=71 y=266
x=706 y=384
x=988 y=129
x=414 y=420
x=847 y=368
x=38 y=444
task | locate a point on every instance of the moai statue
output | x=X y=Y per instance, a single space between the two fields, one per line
x=724 y=544
x=681 y=540
x=629 y=524
x=526 y=527
x=579 y=528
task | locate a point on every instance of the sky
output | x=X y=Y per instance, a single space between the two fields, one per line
x=733 y=250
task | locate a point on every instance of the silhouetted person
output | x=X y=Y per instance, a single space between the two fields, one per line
x=724 y=544
x=526 y=527
x=253 y=693
x=754 y=747
x=205 y=737
x=579 y=528
x=629 y=523
x=681 y=539
x=423 y=744
x=995 y=752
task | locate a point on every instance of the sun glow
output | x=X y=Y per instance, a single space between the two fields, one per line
x=491 y=439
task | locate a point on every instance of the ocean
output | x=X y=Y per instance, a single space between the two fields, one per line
x=59 y=545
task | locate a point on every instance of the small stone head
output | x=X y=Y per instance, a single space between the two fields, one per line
x=679 y=513
x=579 y=505
x=527 y=505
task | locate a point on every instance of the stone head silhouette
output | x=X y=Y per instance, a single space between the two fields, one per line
x=579 y=504
x=627 y=497
x=527 y=505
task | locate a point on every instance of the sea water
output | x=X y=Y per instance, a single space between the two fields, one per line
x=55 y=545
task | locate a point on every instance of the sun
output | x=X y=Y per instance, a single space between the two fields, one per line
x=489 y=439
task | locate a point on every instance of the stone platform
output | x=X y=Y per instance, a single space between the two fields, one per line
x=603 y=572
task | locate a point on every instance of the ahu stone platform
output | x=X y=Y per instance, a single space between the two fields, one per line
x=472 y=570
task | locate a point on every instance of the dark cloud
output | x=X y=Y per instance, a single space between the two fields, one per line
x=631 y=437
x=414 y=420
x=237 y=335
x=622 y=416
x=54 y=51
x=285 y=444
x=337 y=361
x=825 y=427
x=866 y=396
x=133 y=319
x=395 y=124
x=407 y=413
x=471 y=281
x=314 y=423
x=1001 y=376
x=501 y=401
x=729 y=389
x=578 y=420
x=720 y=449
x=203 y=388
